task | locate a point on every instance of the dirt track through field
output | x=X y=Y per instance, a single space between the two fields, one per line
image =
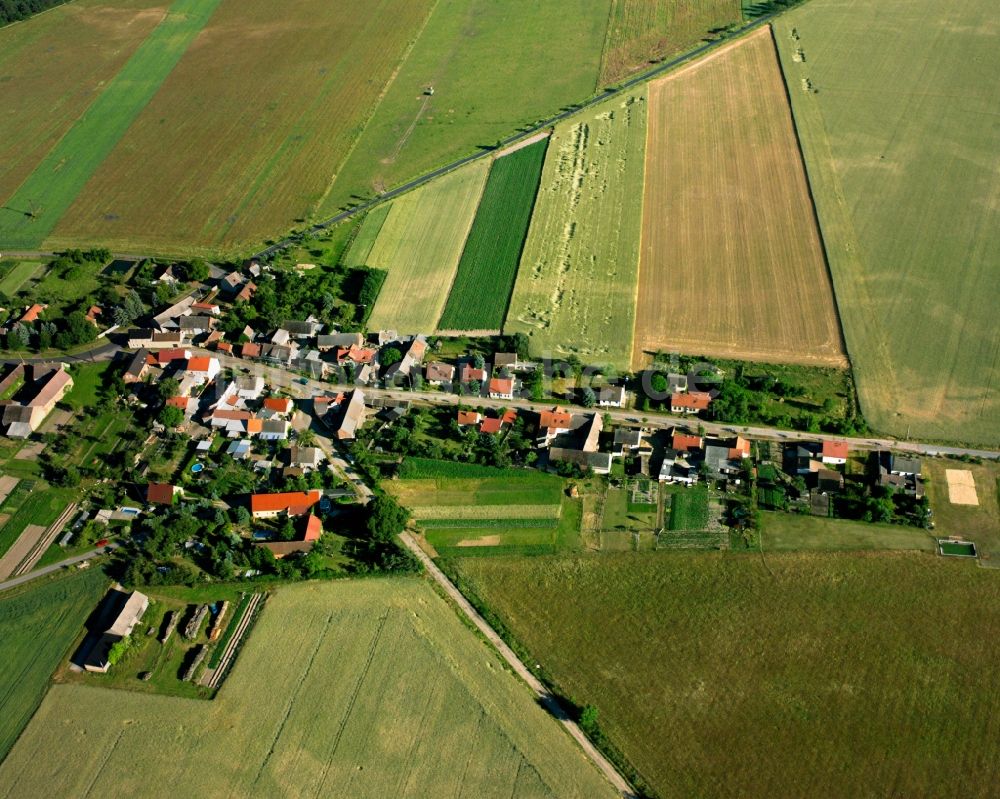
x=731 y=262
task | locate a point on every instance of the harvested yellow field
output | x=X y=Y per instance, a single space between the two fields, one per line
x=731 y=260
x=419 y=245
x=52 y=68
x=348 y=689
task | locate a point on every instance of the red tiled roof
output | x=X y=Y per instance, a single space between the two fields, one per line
x=469 y=372
x=468 y=417
x=683 y=442
x=509 y=416
x=740 y=448
x=835 y=449
x=199 y=364
x=491 y=426
x=32 y=313
x=178 y=402
x=254 y=425
x=160 y=493
x=225 y=346
x=294 y=503
x=166 y=356
x=278 y=404
x=250 y=350
x=501 y=385
x=555 y=419
x=314 y=528
x=696 y=400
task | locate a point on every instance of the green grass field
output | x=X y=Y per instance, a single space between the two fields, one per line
x=54 y=183
x=491 y=68
x=37 y=627
x=724 y=675
x=979 y=522
x=899 y=144
x=790 y=531
x=364 y=241
x=485 y=279
x=42 y=507
x=576 y=285
x=16 y=274
x=373 y=689
x=419 y=246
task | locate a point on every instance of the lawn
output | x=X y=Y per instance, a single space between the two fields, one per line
x=481 y=292
x=979 y=523
x=245 y=135
x=641 y=31
x=54 y=183
x=53 y=66
x=419 y=246
x=88 y=383
x=373 y=689
x=38 y=624
x=576 y=285
x=900 y=143
x=42 y=507
x=732 y=675
x=491 y=67
x=791 y=531
x=16 y=274
x=732 y=263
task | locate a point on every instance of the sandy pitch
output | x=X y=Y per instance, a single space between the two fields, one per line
x=961 y=487
x=485 y=541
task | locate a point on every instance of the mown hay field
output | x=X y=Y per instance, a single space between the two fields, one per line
x=361 y=689
x=491 y=67
x=732 y=263
x=866 y=674
x=640 y=31
x=247 y=131
x=419 y=245
x=575 y=288
x=800 y=531
x=54 y=66
x=901 y=145
x=481 y=292
x=50 y=189
x=38 y=624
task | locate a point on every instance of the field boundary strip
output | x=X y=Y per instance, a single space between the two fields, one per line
x=51 y=188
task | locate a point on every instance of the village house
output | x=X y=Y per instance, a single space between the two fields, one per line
x=42 y=386
x=138 y=368
x=295 y=503
x=685 y=442
x=599 y=462
x=305 y=458
x=305 y=328
x=551 y=424
x=32 y=313
x=678 y=468
x=439 y=374
x=202 y=369
x=502 y=388
x=339 y=341
x=169 y=318
x=274 y=429
x=312 y=530
x=495 y=424
x=351 y=417
x=611 y=397
x=693 y=402
x=156 y=340
x=206 y=308
x=470 y=373
x=162 y=493
x=249 y=387
x=279 y=406
x=196 y=325
x=834 y=453
x=466 y=418
x=409 y=365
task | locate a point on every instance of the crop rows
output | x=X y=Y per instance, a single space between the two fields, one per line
x=472 y=512
x=481 y=291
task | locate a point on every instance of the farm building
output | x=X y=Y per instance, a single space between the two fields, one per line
x=694 y=402
x=502 y=388
x=122 y=611
x=36 y=389
x=295 y=503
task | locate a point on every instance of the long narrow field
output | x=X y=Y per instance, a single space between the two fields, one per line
x=53 y=67
x=575 y=289
x=55 y=182
x=901 y=145
x=245 y=133
x=419 y=245
x=732 y=264
x=640 y=31
x=368 y=689
x=37 y=627
x=722 y=675
x=491 y=67
x=486 y=273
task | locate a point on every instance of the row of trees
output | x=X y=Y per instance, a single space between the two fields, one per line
x=16 y=10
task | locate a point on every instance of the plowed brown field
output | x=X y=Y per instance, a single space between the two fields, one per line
x=731 y=260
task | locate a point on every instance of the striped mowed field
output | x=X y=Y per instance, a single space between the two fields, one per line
x=732 y=263
x=419 y=244
x=360 y=689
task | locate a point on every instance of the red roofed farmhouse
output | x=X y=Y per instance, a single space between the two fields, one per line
x=295 y=503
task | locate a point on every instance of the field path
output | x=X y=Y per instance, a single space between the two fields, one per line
x=548 y=701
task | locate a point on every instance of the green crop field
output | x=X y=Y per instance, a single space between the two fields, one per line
x=900 y=144
x=16 y=274
x=728 y=675
x=37 y=627
x=490 y=65
x=792 y=531
x=485 y=279
x=55 y=182
x=41 y=506
x=51 y=69
x=640 y=31
x=419 y=246
x=576 y=285
x=360 y=689
x=689 y=508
